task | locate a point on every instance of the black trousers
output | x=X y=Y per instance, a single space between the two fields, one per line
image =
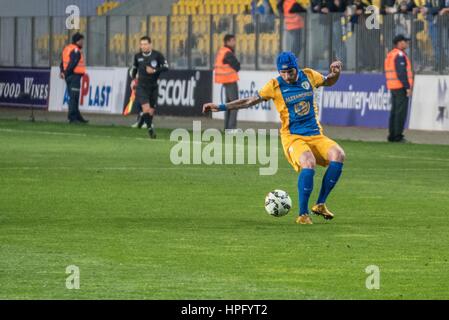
x=73 y=86
x=398 y=114
x=232 y=93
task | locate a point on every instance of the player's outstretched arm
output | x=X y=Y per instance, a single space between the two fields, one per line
x=332 y=77
x=233 y=105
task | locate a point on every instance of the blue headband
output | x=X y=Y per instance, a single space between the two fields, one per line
x=286 y=60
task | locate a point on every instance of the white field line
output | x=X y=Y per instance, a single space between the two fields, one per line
x=194 y=142
x=419 y=158
x=43 y=132
x=96 y=136
x=72 y=134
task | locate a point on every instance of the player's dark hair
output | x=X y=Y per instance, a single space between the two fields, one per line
x=228 y=37
x=146 y=38
x=77 y=37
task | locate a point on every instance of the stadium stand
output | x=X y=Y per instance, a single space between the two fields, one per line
x=106 y=7
x=190 y=32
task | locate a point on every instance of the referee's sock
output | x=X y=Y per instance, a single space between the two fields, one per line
x=330 y=179
x=148 y=119
x=140 y=120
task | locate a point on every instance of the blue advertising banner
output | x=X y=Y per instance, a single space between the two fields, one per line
x=24 y=87
x=360 y=100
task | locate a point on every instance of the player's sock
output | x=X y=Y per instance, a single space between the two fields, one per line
x=305 y=187
x=330 y=179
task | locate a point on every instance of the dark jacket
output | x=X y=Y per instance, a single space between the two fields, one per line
x=231 y=59
x=296 y=8
x=433 y=7
x=75 y=57
x=331 y=5
x=401 y=70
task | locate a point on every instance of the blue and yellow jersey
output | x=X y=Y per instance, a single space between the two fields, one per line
x=296 y=102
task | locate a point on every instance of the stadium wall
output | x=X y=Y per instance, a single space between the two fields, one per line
x=24 y=87
x=250 y=82
x=102 y=90
x=46 y=8
x=358 y=100
x=430 y=104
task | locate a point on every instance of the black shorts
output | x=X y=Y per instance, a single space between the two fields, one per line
x=146 y=95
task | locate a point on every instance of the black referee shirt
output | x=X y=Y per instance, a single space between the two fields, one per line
x=153 y=59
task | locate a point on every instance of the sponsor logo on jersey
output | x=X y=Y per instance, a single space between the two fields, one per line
x=305 y=85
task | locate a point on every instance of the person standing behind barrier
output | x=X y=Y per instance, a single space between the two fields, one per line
x=445 y=35
x=399 y=76
x=262 y=9
x=293 y=23
x=430 y=10
x=72 y=69
x=226 y=71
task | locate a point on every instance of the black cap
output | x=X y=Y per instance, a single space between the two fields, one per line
x=76 y=37
x=400 y=37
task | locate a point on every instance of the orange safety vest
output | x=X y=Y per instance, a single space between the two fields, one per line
x=80 y=67
x=390 y=70
x=293 y=21
x=223 y=73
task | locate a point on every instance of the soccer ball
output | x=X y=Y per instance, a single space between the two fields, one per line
x=278 y=203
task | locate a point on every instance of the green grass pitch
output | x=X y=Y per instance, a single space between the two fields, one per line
x=110 y=202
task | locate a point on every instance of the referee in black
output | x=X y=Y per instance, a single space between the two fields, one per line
x=147 y=67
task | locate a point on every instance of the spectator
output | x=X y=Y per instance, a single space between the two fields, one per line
x=429 y=9
x=400 y=11
x=444 y=19
x=329 y=6
x=338 y=8
x=263 y=10
x=293 y=22
x=445 y=9
x=369 y=57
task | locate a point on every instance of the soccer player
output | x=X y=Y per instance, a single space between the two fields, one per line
x=302 y=136
x=148 y=65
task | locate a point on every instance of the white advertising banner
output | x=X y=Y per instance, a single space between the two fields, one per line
x=430 y=103
x=102 y=90
x=250 y=82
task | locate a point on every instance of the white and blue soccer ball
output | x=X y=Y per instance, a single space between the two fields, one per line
x=278 y=203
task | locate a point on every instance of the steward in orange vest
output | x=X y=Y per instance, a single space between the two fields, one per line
x=73 y=58
x=399 y=78
x=226 y=73
x=292 y=19
x=293 y=23
x=72 y=69
x=398 y=70
x=226 y=66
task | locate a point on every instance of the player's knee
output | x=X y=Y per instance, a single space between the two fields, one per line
x=342 y=155
x=337 y=154
x=307 y=160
